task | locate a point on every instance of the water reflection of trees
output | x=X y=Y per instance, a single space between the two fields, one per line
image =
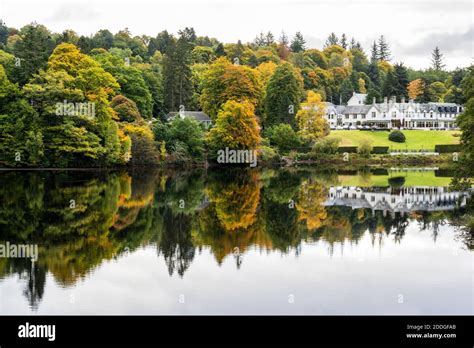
x=225 y=212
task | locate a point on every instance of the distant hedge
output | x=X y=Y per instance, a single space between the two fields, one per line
x=349 y=149
x=379 y=150
x=448 y=148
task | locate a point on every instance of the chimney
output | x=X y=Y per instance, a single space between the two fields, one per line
x=393 y=99
x=403 y=100
x=373 y=100
x=385 y=100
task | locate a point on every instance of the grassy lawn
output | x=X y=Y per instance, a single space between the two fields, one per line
x=412 y=178
x=415 y=139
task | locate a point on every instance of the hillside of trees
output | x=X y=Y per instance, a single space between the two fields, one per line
x=134 y=81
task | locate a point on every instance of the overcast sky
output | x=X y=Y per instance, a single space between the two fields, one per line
x=412 y=27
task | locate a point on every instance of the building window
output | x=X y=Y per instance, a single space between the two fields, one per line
x=373 y=114
x=394 y=114
x=347 y=117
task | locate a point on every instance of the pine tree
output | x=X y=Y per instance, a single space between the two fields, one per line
x=331 y=40
x=220 y=50
x=239 y=49
x=353 y=43
x=344 y=41
x=3 y=34
x=298 y=43
x=269 y=39
x=284 y=39
x=437 y=59
x=260 y=40
x=177 y=75
x=283 y=95
x=33 y=50
x=401 y=75
x=371 y=94
x=389 y=86
x=384 y=49
x=374 y=55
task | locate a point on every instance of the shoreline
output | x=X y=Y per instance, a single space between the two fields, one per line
x=444 y=160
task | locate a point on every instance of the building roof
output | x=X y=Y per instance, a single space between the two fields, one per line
x=197 y=115
x=360 y=96
x=356 y=109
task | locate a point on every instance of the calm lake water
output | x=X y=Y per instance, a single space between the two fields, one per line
x=234 y=241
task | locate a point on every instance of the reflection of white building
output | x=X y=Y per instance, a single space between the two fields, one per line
x=402 y=200
x=390 y=114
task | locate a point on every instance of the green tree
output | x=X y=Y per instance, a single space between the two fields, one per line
x=21 y=140
x=283 y=94
x=103 y=39
x=130 y=78
x=219 y=50
x=3 y=34
x=161 y=43
x=402 y=81
x=436 y=91
x=283 y=137
x=189 y=134
x=177 y=75
x=374 y=55
x=33 y=49
x=466 y=123
x=437 y=59
x=331 y=40
x=126 y=109
x=75 y=138
x=344 y=41
x=298 y=43
x=383 y=49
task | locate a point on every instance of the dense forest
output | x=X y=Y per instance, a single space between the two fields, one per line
x=68 y=100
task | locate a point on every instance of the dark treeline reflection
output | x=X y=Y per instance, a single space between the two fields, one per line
x=79 y=219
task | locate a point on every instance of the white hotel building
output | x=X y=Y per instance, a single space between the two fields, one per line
x=391 y=114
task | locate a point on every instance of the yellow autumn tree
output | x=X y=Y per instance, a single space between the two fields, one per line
x=310 y=206
x=224 y=81
x=361 y=83
x=266 y=71
x=310 y=118
x=236 y=127
x=415 y=88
